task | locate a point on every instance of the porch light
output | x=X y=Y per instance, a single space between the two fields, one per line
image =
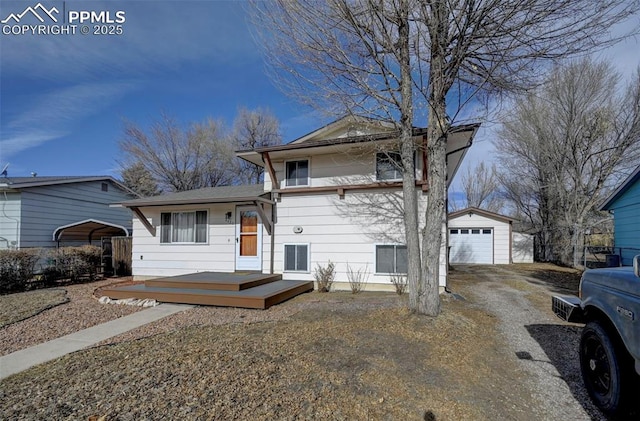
x=227 y=217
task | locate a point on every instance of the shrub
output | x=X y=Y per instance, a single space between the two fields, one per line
x=357 y=278
x=400 y=282
x=16 y=268
x=73 y=263
x=324 y=276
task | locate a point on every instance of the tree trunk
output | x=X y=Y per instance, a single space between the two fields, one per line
x=407 y=153
x=429 y=299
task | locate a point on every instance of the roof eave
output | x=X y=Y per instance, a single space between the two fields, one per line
x=624 y=186
x=481 y=212
x=201 y=201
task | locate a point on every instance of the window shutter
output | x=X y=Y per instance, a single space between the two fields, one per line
x=165 y=227
x=201 y=226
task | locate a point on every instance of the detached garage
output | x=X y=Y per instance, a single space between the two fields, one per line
x=477 y=236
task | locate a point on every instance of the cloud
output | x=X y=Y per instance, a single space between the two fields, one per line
x=23 y=141
x=66 y=78
x=53 y=114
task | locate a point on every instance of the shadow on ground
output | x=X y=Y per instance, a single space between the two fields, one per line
x=556 y=279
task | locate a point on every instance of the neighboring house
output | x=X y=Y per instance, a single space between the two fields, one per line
x=332 y=195
x=52 y=211
x=624 y=204
x=478 y=236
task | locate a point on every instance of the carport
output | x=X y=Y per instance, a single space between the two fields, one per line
x=88 y=230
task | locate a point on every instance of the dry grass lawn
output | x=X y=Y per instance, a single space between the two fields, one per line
x=341 y=357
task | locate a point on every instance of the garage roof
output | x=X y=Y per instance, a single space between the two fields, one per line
x=481 y=212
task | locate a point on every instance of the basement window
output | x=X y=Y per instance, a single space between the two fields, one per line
x=391 y=258
x=296 y=257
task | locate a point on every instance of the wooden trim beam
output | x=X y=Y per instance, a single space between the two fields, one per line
x=145 y=222
x=341 y=190
x=271 y=170
x=266 y=221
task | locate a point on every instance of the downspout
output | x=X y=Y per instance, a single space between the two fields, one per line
x=510 y=242
x=273 y=238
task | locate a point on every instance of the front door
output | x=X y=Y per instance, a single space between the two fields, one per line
x=248 y=239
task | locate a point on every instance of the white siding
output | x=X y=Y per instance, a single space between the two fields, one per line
x=501 y=233
x=9 y=219
x=152 y=259
x=342 y=231
x=522 y=248
x=345 y=166
x=46 y=208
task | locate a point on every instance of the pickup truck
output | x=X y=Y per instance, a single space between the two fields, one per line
x=609 y=306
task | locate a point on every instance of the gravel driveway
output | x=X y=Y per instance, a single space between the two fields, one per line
x=546 y=347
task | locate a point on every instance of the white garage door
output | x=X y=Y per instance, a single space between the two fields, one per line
x=471 y=245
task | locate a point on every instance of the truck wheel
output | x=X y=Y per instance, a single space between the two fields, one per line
x=604 y=369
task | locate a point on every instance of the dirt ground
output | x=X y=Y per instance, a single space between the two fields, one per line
x=335 y=356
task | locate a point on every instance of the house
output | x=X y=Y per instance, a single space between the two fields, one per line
x=477 y=236
x=53 y=211
x=624 y=204
x=333 y=195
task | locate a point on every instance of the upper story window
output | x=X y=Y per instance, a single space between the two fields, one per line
x=183 y=227
x=388 y=166
x=297 y=173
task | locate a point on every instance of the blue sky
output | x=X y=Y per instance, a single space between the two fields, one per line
x=63 y=98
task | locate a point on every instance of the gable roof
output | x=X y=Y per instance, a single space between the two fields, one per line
x=626 y=184
x=27 y=182
x=481 y=212
x=224 y=194
x=346 y=123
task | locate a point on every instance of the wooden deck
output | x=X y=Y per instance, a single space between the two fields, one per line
x=247 y=290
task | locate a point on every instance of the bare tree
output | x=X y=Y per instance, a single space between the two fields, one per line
x=383 y=57
x=253 y=129
x=481 y=189
x=139 y=179
x=181 y=159
x=564 y=146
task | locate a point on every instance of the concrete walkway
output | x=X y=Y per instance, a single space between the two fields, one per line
x=38 y=354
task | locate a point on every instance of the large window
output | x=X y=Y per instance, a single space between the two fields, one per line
x=297 y=173
x=183 y=227
x=388 y=166
x=296 y=257
x=391 y=258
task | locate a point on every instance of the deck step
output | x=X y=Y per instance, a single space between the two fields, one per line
x=259 y=297
x=214 y=280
